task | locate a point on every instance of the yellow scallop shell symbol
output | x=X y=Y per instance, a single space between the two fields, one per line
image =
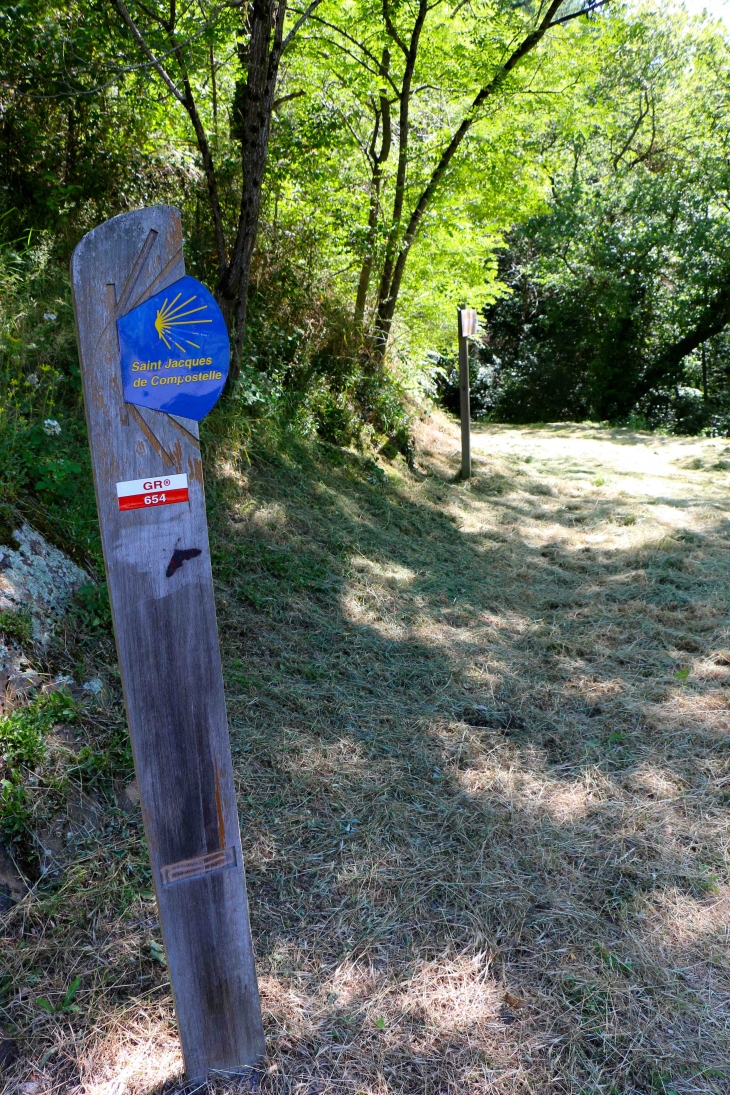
x=171 y=315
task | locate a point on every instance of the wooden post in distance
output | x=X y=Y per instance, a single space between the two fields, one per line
x=467 y=329
x=161 y=591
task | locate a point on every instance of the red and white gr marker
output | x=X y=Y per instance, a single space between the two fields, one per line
x=162 y=490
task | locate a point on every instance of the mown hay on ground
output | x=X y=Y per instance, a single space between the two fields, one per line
x=481 y=741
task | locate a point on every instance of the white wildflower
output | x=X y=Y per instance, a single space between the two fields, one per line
x=94 y=685
x=32 y=379
x=51 y=427
x=63 y=679
x=50 y=315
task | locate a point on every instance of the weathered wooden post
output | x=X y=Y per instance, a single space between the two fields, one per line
x=154 y=358
x=467 y=330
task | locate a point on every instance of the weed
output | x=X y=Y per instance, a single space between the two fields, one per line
x=17 y=625
x=14 y=813
x=22 y=732
x=93 y=608
x=23 y=747
x=612 y=960
x=64 y=1005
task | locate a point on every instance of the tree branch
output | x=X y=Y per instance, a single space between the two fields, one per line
x=390 y=27
x=390 y=285
x=141 y=42
x=287 y=99
x=666 y=367
x=577 y=14
x=187 y=100
x=299 y=23
x=360 y=46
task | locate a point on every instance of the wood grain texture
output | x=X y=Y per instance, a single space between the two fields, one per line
x=167 y=642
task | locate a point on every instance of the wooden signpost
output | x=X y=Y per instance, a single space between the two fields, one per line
x=467 y=330
x=149 y=490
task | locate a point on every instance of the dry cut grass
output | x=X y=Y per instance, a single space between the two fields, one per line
x=481 y=740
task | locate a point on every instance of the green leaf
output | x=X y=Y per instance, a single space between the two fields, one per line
x=73 y=988
x=45 y=1005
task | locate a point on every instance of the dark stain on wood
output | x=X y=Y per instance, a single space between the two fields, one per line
x=219 y=809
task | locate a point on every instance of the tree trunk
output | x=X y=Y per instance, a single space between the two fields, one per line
x=377 y=159
x=260 y=58
x=667 y=366
x=400 y=243
x=254 y=124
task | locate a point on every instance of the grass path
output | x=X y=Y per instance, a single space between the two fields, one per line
x=481 y=739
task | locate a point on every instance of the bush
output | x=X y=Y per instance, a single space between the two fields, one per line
x=45 y=471
x=300 y=375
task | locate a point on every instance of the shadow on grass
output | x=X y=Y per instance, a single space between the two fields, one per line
x=464 y=751
x=481 y=750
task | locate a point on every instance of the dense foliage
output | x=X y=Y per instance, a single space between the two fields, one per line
x=616 y=295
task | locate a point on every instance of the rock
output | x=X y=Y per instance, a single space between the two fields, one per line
x=57 y=846
x=52 y=852
x=128 y=797
x=17 y=675
x=40 y=579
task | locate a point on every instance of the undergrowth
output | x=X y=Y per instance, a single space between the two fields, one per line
x=294 y=385
x=480 y=747
x=23 y=748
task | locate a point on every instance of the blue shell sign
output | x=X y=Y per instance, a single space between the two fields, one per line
x=175 y=351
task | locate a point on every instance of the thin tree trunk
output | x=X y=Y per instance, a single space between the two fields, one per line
x=367 y=263
x=214 y=89
x=704 y=372
x=410 y=52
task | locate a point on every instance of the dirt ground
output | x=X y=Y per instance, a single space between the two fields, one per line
x=481 y=740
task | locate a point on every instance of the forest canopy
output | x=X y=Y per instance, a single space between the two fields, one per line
x=349 y=173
